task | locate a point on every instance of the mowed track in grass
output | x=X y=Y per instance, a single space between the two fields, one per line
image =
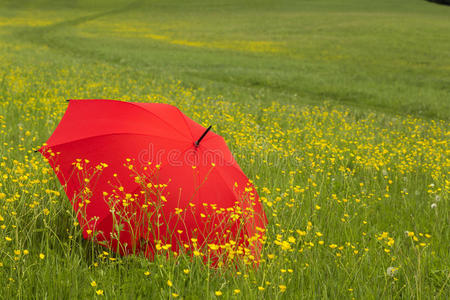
x=380 y=56
x=338 y=110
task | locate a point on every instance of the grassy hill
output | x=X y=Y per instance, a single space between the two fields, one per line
x=389 y=55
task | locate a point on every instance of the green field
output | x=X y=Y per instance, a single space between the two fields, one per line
x=337 y=110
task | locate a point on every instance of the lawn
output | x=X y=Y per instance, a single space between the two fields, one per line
x=337 y=110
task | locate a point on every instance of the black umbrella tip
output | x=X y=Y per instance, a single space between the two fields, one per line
x=203 y=135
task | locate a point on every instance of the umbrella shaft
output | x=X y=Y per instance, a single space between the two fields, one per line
x=203 y=135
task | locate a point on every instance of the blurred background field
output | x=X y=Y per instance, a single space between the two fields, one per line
x=385 y=55
x=338 y=110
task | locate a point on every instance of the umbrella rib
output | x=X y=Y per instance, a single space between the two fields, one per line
x=185 y=122
x=237 y=197
x=234 y=193
x=139 y=107
x=206 y=138
x=228 y=187
x=111 y=134
x=155 y=115
x=210 y=137
x=232 y=165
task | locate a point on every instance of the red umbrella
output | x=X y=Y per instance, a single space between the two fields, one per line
x=143 y=177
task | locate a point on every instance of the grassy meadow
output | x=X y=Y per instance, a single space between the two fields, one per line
x=337 y=110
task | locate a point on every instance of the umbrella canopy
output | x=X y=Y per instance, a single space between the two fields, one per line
x=143 y=177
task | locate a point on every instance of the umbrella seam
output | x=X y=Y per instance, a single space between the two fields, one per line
x=238 y=199
x=185 y=122
x=155 y=115
x=208 y=137
x=235 y=162
x=110 y=134
x=136 y=104
x=234 y=193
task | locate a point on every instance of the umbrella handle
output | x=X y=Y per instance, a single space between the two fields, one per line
x=203 y=135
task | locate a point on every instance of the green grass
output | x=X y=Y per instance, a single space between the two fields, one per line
x=385 y=56
x=338 y=110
